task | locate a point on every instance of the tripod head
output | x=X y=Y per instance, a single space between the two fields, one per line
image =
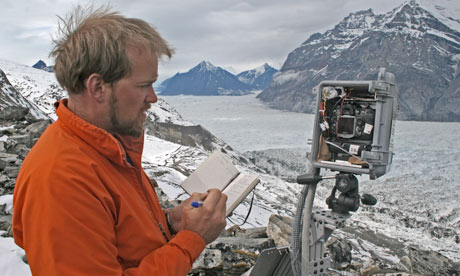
x=348 y=200
x=348 y=186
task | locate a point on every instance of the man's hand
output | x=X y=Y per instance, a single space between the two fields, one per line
x=208 y=221
x=175 y=214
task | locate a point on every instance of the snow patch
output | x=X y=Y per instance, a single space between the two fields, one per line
x=280 y=78
x=7 y=200
x=11 y=255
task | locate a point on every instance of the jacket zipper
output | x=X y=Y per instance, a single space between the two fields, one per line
x=149 y=203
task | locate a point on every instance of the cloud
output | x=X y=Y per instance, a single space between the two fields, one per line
x=241 y=34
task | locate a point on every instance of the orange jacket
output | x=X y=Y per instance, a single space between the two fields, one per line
x=80 y=208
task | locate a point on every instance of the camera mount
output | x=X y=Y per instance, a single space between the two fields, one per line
x=352 y=135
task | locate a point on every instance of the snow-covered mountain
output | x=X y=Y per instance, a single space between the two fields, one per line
x=42 y=65
x=418 y=41
x=204 y=79
x=258 y=78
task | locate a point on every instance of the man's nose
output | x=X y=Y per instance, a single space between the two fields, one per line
x=151 y=96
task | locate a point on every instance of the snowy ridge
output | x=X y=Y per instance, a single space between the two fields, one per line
x=358 y=24
x=258 y=78
x=204 y=79
x=205 y=66
x=254 y=73
x=446 y=10
x=164 y=113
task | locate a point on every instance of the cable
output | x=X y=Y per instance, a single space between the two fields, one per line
x=306 y=228
x=296 y=239
x=342 y=149
x=299 y=231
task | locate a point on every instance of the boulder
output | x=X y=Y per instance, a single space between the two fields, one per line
x=428 y=262
x=36 y=129
x=3 y=164
x=11 y=171
x=279 y=229
x=13 y=113
x=5 y=221
x=250 y=233
x=340 y=252
x=228 y=256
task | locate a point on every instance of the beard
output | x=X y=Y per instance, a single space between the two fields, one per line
x=131 y=127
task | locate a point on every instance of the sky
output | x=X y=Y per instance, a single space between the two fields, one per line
x=235 y=35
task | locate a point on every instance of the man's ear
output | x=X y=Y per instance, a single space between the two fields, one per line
x=96 y=87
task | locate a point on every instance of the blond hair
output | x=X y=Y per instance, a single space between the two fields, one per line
x=95 y=41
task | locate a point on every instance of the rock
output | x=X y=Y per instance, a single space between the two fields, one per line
x=13 y=113
x=398 y=274
x=9 y=186
x=8 y=131
x=370 y=270
x=36 y=129
x=5 y=225
x=8 y=157
x=279 y=229
x=3 y=164
x=11 y=172
x=250 y=233
x=432 y=263
x=5 y=221
x=229 y=256
x=405 y=263
x=193 y=136
x=340 y=252
x=21 y=139
x=21 y=150
x=210 y=259
x=3 y=179
x=163 y=198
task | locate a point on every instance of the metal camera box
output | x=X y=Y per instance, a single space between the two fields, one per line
x=354 y=125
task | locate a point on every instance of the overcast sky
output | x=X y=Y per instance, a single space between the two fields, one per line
x=228 y=33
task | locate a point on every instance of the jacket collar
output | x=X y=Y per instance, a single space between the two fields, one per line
x=113 y=147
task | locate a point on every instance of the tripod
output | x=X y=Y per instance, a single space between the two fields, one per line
x=313 y=229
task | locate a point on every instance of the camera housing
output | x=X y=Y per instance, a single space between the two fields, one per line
x=353 y=125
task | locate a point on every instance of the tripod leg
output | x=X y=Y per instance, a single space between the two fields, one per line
x=307 y=212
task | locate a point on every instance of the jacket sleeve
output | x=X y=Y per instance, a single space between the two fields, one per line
x=67 y=228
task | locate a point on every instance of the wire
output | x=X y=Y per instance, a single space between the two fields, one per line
x=248 y=213
x=342 y=149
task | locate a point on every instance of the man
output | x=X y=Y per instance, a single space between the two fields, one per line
x=82 y=203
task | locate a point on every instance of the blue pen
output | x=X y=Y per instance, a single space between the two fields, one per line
x=196 y=204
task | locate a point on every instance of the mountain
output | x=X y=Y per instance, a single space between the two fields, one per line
x=258 y=78
x=419 y=43
x=204 y=79
x=42 y=65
